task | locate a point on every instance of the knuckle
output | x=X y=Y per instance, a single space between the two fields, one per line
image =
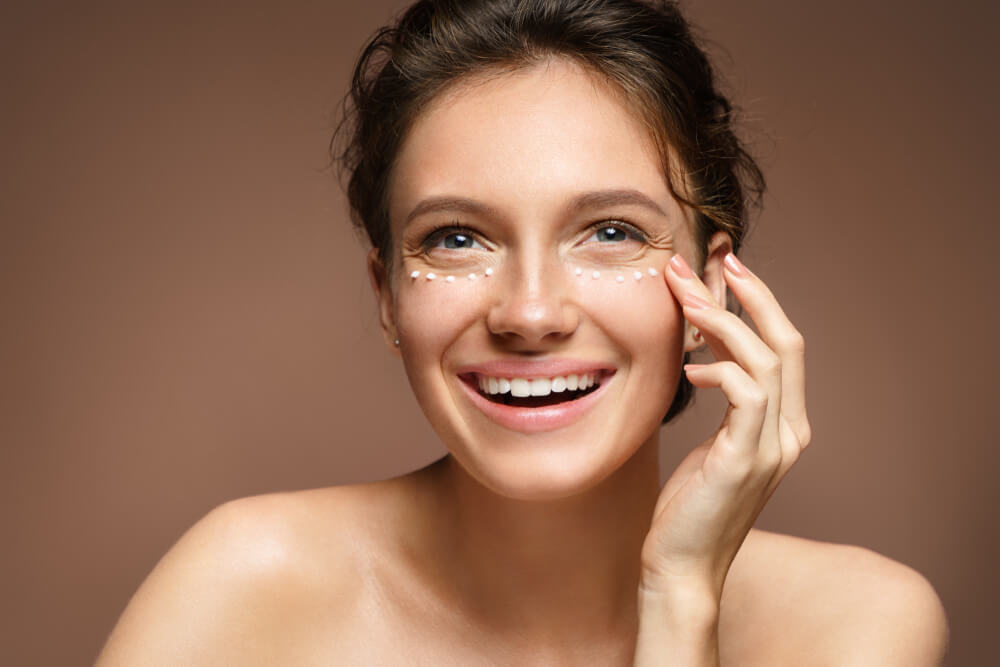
x=805 y=434
x=772 y=365
x=794 y=342
x=770 y=460
x=756 y=397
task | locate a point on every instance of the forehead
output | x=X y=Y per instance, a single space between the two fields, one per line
x=526 y=141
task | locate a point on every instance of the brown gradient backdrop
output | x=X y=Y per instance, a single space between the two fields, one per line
x=186 y=317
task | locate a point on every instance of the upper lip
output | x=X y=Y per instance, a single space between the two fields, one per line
x=542 y=368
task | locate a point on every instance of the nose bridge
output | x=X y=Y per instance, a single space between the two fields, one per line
x=533 y=303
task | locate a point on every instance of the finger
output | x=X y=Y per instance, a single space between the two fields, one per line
x=747 y=398
x=780 y=335
x=730 y=338
x=682 y=280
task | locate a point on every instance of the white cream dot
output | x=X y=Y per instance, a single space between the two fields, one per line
x=619 y=279
x=489 y=271
x=450 y=279
x=431 y=276
x=415 y=275
x=472 y=276
x=652 y=271
x=596 y=275
x=578 y=271
x=637 y=275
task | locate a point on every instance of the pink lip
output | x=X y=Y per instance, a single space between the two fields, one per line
x=536 y=420
x=510 y=368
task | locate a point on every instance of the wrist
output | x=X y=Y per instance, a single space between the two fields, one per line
x=678 y=625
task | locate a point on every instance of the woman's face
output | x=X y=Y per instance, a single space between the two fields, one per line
x=537 y=202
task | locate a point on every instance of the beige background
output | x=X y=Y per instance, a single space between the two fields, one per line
x=185 y=316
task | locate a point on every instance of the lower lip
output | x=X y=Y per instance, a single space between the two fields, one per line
x=537 y=420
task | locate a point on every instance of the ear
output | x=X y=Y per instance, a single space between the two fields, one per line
x=719 y=246
x=384 y=298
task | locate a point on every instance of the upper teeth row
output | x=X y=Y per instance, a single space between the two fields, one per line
x=521 y=387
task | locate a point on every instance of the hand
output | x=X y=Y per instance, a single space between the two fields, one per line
x=707 y=507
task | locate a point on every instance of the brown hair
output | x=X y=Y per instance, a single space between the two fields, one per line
x=644 y=49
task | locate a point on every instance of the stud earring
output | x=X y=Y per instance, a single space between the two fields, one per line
x=396 y=342
x=696 y=335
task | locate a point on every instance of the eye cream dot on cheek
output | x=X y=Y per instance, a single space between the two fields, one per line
x=415 y=275
x=450 y=279
x=596 y=275
x=431 y=276
x=472 y=276
x=489 y=272
x=652 y=271
x=619 y=279
x=637 y=275
x=578 y=271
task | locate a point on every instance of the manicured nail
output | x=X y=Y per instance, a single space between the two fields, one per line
x=736 y=266
x=681 y=267
x=695 y=302
x=693 y=367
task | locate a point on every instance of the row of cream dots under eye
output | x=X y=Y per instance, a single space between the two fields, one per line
x=578 y=271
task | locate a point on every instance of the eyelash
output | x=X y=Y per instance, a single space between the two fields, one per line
x=435 y=236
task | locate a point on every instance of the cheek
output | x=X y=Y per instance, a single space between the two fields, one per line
x=433 y=309
x=635 y=308
x=645 y=322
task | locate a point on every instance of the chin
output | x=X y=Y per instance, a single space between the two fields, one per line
x=532 y=473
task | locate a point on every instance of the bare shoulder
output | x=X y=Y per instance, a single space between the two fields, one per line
x=248 y=583
x=829 y=604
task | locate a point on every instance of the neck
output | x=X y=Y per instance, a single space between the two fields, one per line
x=553 y=571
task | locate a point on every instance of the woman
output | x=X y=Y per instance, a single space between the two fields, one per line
x=554 y=196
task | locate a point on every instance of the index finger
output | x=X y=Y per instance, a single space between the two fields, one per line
x=778 y=332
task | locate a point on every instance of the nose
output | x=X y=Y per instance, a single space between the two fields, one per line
x=533 y=306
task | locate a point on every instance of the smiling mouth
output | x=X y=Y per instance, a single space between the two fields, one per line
x=535 y=392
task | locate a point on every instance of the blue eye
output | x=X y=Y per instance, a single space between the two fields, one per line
x=611 y=235
x=453 y=238
x=616 y=233
x=457 y=240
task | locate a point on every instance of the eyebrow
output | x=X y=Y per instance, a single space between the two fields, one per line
x=605 y=198
x=594 y=199
x=457 y=204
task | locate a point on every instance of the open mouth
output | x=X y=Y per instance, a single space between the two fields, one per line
x=535 y=392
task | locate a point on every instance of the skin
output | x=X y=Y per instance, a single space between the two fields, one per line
x=554 y=547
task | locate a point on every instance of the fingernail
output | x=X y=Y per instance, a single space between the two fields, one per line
x=736 y=266
x=681 y=267
x=693 y=367
x=695 y=302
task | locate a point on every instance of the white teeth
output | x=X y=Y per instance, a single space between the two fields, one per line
x=541 y=387
x=522 y=387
